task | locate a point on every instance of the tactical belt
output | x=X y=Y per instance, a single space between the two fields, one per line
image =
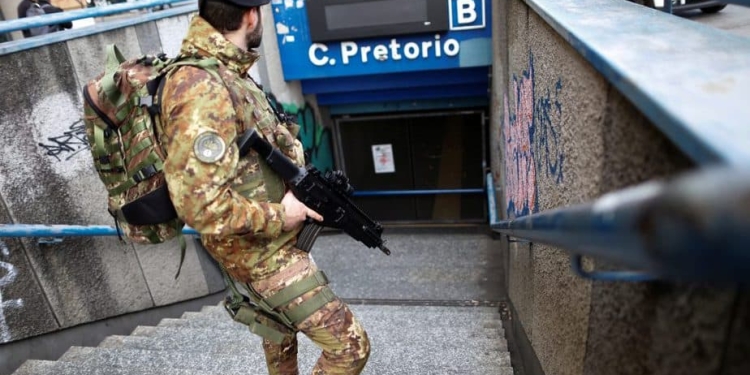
x=262 y=315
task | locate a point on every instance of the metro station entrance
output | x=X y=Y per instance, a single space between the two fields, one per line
x=425 y=167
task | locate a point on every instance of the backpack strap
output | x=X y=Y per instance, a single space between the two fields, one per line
x=109 y=84
x=156 y=85
x=210 y=65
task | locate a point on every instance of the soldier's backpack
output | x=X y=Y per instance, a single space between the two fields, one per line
x=121 y=116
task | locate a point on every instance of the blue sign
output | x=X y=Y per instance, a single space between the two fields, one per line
x=468 y=43
x=467 y=14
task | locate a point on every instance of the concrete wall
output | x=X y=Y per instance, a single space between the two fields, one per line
x=564 y=135
x=9 y=8
x=46 y=176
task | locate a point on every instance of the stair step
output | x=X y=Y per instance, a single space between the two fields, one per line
x=77 y=354
x=169 y=361
x=411 y=360
x=218 y=311
x=405 y=339
x=430 y=316
x=208 y=333
x=367 y=320
x=72 y=368
x=117 y=341
x=199 y=339
x=35 y=367
x=435 y=319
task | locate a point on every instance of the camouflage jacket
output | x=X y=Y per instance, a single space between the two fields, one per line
x=232 y=201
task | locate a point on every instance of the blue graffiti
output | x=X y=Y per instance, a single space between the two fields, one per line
x=548 y=115
x=533 y=142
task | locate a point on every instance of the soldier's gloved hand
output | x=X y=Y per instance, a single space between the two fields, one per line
x=296 y=212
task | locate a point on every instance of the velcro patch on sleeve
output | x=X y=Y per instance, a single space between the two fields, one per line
x=209 y=147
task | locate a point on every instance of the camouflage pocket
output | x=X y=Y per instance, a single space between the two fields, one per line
x=285 y=141
x=250 y=182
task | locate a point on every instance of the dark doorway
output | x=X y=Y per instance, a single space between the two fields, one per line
x=416 y=168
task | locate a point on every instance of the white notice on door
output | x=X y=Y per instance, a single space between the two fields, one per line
x=382 y=156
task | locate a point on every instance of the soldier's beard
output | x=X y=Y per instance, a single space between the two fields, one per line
x=254 y=37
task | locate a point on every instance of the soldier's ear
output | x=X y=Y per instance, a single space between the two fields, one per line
x=251 y=17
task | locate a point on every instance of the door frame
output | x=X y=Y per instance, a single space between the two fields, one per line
x=338 y=144
x=339 y=148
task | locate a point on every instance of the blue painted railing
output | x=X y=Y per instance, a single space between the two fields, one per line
x=54 y=233
x=696 y=227
x=55 y=18
x=47 y=232
x=491 y=199
x=388 y=193
x=692 y=81
x=47 y=39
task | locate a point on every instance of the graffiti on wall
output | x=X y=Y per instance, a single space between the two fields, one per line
x=533 y=143
x=68 y=144
x=315 y=138
x=8 y=274
x=60 y=135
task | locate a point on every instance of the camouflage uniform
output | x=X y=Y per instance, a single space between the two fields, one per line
x=234 y=202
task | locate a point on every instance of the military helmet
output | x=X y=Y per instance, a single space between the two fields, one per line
x=241 y=3
x=248 y=3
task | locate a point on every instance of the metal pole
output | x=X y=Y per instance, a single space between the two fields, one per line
x=41 y=230
x=696 y=227
x=55 y=18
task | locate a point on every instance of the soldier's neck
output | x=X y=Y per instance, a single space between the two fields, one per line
x=238 y=38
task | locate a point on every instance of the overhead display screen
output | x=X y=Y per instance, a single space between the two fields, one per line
x=375 y=13
x=346 y=19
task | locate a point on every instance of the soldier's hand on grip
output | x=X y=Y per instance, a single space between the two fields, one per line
x=296 y=212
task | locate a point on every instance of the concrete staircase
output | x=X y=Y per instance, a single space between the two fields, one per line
x=453 y=268
x=405 y=340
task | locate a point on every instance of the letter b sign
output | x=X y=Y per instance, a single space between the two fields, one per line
x=467 y=14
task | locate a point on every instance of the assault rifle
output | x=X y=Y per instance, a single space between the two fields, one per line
x=326 y=194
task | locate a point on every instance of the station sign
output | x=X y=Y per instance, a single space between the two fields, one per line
x=465 y=41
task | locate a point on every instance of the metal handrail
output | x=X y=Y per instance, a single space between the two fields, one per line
x=382 y=193
x=491 y=201
x=53 y=233
x=65 y=35
x=695 y=227
x=56 y=18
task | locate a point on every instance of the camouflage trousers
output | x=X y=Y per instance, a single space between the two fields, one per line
x=333 y=328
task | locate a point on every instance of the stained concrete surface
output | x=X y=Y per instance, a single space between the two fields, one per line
x=171 y=33
x=436 y=264
x=23 y=309
x=89 y=55
x=47 y=177
x=734 y=19
x=148 y=38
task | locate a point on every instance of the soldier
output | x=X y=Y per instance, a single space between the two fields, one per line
x=247 y=219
